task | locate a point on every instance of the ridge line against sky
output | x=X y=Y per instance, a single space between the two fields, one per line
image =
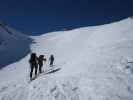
x=41 y=16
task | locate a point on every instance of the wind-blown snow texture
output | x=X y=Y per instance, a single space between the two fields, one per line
x=96 y=64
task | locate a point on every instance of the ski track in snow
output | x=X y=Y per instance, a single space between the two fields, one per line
x=94 y=63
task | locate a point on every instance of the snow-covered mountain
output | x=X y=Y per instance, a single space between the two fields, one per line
x=13 y=45
x=95 y=63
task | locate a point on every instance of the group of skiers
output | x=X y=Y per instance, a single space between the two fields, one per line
x=37 y=63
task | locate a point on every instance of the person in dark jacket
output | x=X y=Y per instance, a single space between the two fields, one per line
x=40 y=62
x=33 y=64
x=51 y=59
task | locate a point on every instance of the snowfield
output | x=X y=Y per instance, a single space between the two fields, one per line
x=94 y=63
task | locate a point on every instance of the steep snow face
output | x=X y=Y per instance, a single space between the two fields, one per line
x=96 y=63
x=11 y=48
x=89 y=44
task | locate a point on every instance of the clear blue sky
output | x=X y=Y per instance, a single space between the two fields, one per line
x=41 y=16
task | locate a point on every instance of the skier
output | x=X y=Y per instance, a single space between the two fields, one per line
x=33 y=64
x=51 y=59
x=40 y=62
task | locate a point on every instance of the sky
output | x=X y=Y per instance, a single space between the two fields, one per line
x=42 y=16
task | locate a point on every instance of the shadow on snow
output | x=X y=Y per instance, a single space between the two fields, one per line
x=53 y=71
x=18 y=50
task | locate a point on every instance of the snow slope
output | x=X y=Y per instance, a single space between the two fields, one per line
x=96 y=64
x=11 y=49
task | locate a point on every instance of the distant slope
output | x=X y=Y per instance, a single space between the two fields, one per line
x=13 y=45
x=93 y=61
x=68 y=45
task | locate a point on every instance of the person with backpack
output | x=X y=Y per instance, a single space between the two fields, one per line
x=40 y=62
x=33 y=64
x=51 y=59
